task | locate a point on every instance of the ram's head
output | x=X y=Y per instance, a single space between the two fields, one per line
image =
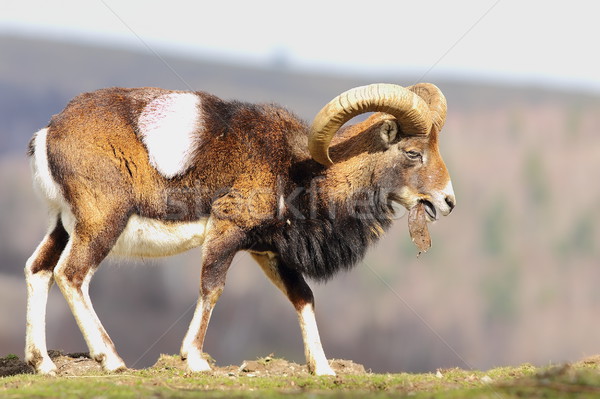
x=408 y=128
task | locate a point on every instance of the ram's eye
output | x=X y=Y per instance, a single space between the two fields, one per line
x=414 y=155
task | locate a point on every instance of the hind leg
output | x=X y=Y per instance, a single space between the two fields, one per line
x=39 y=279
x=83 y=253
x=293 y=285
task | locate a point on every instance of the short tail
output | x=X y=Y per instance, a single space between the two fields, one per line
x=31 y=146
x=43 y=180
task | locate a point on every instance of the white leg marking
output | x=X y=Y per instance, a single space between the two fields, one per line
x=38 y=286
x=315 y=356
x=99 y=344
x=189 y=348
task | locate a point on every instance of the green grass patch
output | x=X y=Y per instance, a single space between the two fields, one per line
x=170 y=381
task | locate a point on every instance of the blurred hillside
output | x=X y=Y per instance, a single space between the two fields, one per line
x=512 y=276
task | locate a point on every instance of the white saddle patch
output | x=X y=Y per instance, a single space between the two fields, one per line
x=169 y=126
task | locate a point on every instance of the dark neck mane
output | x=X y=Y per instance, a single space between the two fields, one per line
x=334 y=239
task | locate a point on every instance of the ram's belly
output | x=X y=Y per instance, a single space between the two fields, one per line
x=144 y=237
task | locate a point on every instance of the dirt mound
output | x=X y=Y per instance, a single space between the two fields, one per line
x=12 y=365
x=265 y=367
x=72 y=364
x=590 y=361
x=67 y=364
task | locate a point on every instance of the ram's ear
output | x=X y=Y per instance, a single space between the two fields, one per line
x=389 y=132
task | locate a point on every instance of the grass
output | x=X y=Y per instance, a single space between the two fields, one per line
x=579 y=380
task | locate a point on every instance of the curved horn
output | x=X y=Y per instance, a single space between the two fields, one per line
x=436 y=101
x=411 y=111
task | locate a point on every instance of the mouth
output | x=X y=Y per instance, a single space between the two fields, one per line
x=430 y=210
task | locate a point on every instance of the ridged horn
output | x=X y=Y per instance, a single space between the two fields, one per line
x=411 y=111
x=434 y=97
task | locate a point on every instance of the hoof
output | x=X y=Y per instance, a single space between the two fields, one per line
x=197 y=365
x=41 y=364
x=112 y=364
x=325 y=371
x=46 y=368
x=321 y=368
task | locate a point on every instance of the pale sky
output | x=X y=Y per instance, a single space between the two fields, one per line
x=530 y=41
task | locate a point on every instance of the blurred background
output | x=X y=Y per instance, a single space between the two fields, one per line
x=513 y=274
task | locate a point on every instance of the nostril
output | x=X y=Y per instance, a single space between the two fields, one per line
x=451 y=202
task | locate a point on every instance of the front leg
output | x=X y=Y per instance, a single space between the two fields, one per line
x=313 y=349
x=293 y=285
x=221 y=244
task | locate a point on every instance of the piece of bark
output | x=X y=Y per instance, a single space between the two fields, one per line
x=417 y=227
